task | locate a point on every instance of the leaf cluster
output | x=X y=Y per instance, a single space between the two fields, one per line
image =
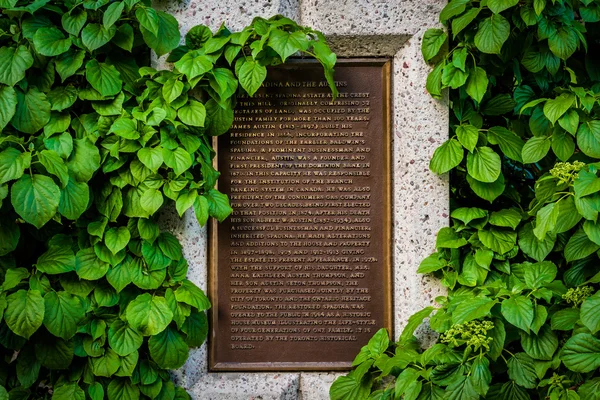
x=521 y=254
x=94 y=143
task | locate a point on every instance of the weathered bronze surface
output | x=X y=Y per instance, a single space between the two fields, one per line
x=300 y=273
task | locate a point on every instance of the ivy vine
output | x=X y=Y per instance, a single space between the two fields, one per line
x=520 y=259
x=94 y=143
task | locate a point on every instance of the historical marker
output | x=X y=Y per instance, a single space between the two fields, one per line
x=300 y=272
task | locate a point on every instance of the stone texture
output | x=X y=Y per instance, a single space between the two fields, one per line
x=245 y=386
x=421 y=199
x=370 y=17
x=356 y=28
x=315 y=386
x=236 y=14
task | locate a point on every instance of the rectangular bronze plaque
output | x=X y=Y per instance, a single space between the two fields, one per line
x=300 y=272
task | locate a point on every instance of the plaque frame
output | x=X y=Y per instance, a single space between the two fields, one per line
x=387 y=262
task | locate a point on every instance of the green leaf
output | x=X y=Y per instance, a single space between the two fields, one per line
x=521 y=369
x=179 y=160
x=251 y=74
x=588 y=138
x=449 y=239
x=201 y=210
x=12 y=279
x=484 y=164
x=414 y=321
x=112 y=14
x=468 y=135
x=67 y=64
x=589 y=313
x=570 y=121
x=73 y=21
x=122 y=389
x=518 y=311
x=119 y=276
x=541 y=346
x=149 y=315
x=563 y=42
x=123 y=339
x=170 y=246
x=460 y=23
x=535 y=149
x=468 y=214
x=168 y=349
x=562 y=145
x=218 y=205
x=196 y=328
x=453 y=77
x=125 y=128
x=474 y=308
x=487 y=191
x=452 y=9
x=35 y=199
x=84 y=161
x=33 y=111
x=12 y=164
x=116 y=239
x=8 y=105
x=446 y=157
x=592 y=230
x=194 y=64
x=565 y=320
x=13 y=64
x=556 y=108
x=285 y=43
x=545 y=220
x=477 y=82
x=166 y=37
x=152 y=158
x=148 y=229
x=51 y=42
x=55 y=165
x=579 y=246
x=540 y=274
x=189 y=293
x=24 y=312
x=103 y=77
x=193 y=113
x=57 y=260
x=68 y=391
x=172 y=89
x=94 y=36
x=88 y=266
x=497 y=6
x=431 y=264
x=151 y=201
x=63 y=314
x=481 y=376
x=9 y=238
x=581 y=353
x=107 y=364
x=492 y=33
x=434 y=81
x=508 y=218
x=74 y=199
x=433 y=40
x=500 y=241
x=461 y=389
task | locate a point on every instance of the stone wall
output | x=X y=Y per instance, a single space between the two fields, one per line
x=356 y=28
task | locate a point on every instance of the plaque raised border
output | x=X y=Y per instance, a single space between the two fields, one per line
x=386 y=225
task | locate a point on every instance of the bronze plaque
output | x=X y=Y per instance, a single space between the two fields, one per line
x=300 y=272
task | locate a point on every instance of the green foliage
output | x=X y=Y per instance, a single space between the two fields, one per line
x=94 y=143
x=520 y=259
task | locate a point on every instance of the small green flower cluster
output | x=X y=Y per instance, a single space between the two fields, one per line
x=473 y=333
x=566 y=172
x=577 y=295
